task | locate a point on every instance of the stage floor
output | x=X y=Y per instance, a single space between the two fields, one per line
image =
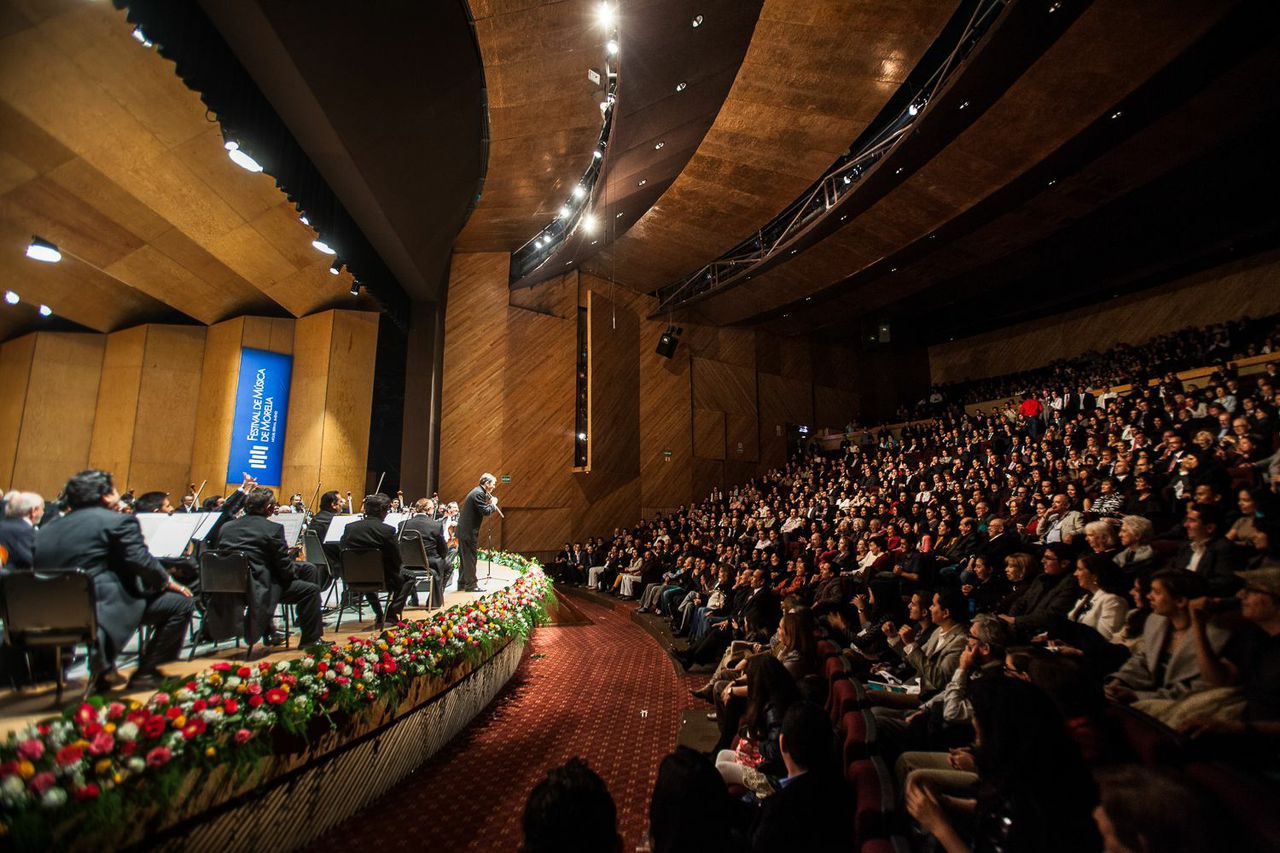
x=21 y=708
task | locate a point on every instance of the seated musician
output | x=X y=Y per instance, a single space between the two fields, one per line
x=371 y=532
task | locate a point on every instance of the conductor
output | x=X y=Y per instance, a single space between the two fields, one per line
x=479 y=503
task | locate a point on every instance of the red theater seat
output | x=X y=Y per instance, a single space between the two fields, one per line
x=1249 y=800
x=843 y=698
x=893 y=844
x=873 y=788
x=858 y=729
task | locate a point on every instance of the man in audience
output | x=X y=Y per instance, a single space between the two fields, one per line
x=131 y=588
x=275 y=577
x=811 y=811
x=1049 y=596
x=934 y=660
x=372 y=533
x=1207 y=552
x=22 y=512
x=571 y=810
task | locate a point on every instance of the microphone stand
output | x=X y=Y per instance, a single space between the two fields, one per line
x=488 y=563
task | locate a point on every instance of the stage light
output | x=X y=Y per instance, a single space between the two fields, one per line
x=46 y=311
x=323 y=247
x=582 y=436
x=43 y=251
x=964 y=105
x=11 y=297
x=564 y=212
x=1117 y=114
x=241 y=159
x=612 y=47
x=697 y=21
x=913 y=110
x=658 y=146
x=335 y=268
x=604 y=106
x=589 y=224
x=355 y=288
x=303 y=219
x=847 y=180
x=597 y=154
x=619 y=216
x=642 y=182
x=579 y=192
x=605 y=15
x=141 y=38
x=681 y=86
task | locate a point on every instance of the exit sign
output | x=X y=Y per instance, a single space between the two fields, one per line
x=506 y=478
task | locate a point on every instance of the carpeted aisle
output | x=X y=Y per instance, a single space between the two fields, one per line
x=604 y=691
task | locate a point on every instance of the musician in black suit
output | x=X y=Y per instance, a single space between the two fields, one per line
x=274 y=575
x=478 y=504
x=22 y=512
x=330 y=505
x=131 y=587
x=373 y=533
x=431 y=531
x=183 y=568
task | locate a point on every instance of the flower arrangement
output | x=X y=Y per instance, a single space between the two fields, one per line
x=97 y=756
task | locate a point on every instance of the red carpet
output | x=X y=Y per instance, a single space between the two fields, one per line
x=605 y=692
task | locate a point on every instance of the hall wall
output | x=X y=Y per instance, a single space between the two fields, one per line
x=1249 y=287
x=662 y=431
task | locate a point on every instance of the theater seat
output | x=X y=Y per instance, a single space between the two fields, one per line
x=1249 y=799
x=876 y=800
x=843 y=698
x=893 y=844
x=859 y=731
x=834 y=668
x=1149 y=741
x=827 y=649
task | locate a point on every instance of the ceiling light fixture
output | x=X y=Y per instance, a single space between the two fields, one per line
x=579 y=191
x=45 y=311
x=564 y=212
x=605 y=16
x=681 y=86
x=141 y=38
x=44 y=251
x=898 y=171
x=303 y=219
x=335 y=267
x=1117 y=114
x=611 y=47
x=589 y=224
x=11 y=297
x=913 y=110
x=241 y=159
x=658 y=146
x=697 y=21
x=642 y=182
x=355 y=288
x=619 y=216
x=964 y=105
x=597 y=154
x=323 y=247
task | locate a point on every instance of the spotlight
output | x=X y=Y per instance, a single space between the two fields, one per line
x=965 y=105
x=668 y=342
x=1117 y=114
x=141 y=38
x=681 y=86
x=589 y=224
x=46 y=311
x=697 y=21
x=612 y=47
x=564 y=212
x=43 y=250
x=323 y=247
x=355 y=288
x=241 y=159
x=605 y=15
x=538 y=243
x=579 y=191
x=658 y=146
x=11 y=297
x=303 y=219
x=335 y=267
x=847 y=180
x=619 y=216
x=913 y=110
x=597 y=154
x=642 y=182
x=582 y=436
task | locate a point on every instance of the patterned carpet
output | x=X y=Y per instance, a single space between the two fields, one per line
x=604 y=691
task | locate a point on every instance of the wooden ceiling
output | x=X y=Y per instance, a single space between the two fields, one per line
x=544 y=116
x=816 y=73
x=106 y=153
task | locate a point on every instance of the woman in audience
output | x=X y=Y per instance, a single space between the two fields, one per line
x=1099 y=607
x=1035 y=794
x=691 y=810
x=770 y=691
x=1018 y=568
x=1243 y=531
x=987 y=590
x=1149 y=810
x=1101 y=538
x=1136 y=555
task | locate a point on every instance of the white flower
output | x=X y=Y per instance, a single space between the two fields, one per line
x=233 y=682
x=330 y=675
x=127 y=732
x=53 y=798
x=13 y=786
x=307 y=663
x=184 y=695
x=282 y=666
x=137 y=763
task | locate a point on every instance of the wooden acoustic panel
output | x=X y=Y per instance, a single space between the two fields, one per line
x=723 y=387
x=15 y=377
x=833 y=408
x=164 y=426
x=613 y=343
x=708 y=434
x=117 y=406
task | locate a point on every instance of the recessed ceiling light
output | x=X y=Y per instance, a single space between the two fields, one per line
x=45 y=311
x=140 y=37
x=898 y=171
x=1053 y=181
x=43 y=250
x=808 y=298
x=11 y=297
x=593 y=242
x=893 y=269
x=658 y=146
x=1117 y=114
x=323 y=247
x=303 y=219
x=964 y=105
x=844 y=217
x=1053 y=7
x=579 y=191
x=681 y=86
x=642 y=182
x=793 y=251
x=564 y=212
x=619 y=216
x=605 y=16
x=785 y=316
x=241 y=159
x=913 y=110
x=568 y=263
x=335 y=268
x=355 y=288
x=697 y=21
x=612 y=47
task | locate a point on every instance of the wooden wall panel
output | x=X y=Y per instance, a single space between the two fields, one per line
x=1249 y=287
x=723 y=387
x=537 y=530
x=666 y=421
x=58 y=418
x=708 y=434
x=537 y=410
x=613 y=341
x=782 y=401
x=472 y=412
x=741 y=438
x=304 y=429
x=168 y=394
x=117 y=407
x=797 y=359
x=15 y=378
x=833 y=407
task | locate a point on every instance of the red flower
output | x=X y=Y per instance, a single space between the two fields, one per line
x=342 y=680
x=8 y=769
x=255 y=701
x=42 y=782
x=88 y=792
x=244 y=672
x=276 y=696
x=198 y=706
x=255 y=689
x=173 y=713
x=322 y=667
x=389 y=666
x=243 y=736
x=31 y=750
x=221 y=666
x=154 y=727
x=115 y=710
x=128 y=748
x=91 y=730
x=86 y=714
x=160 y=699
x=193 y=729
x=69 y=754
x=159 y=756
x=102 y=744
x=231 y=706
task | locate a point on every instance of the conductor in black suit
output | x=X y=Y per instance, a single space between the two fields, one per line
x=371 y=532
x=131 y=587
x=478 y=504
x=274 y=575
x=431 y=531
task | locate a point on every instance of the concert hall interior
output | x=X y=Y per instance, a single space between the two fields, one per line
x=663 y=425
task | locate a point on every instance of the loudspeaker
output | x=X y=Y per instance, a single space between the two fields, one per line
x=884 y=333
x=667 y=345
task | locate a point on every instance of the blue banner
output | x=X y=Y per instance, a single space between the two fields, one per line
x=257 y=433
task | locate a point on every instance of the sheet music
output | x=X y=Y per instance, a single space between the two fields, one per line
x=207 y=520
x=338 y=525
x=167 y=535
x=395 y=519
x=293 y=523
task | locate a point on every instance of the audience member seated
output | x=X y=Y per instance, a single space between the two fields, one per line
x=22 y=512
x=1100 y=607
x=570 y=810
x=691 y=810
x=1048 y=597
x=1149 y=810
x=1136 y=556
x=1207 y=552
x=275 y=577
x=131 y=587
x=768 y=692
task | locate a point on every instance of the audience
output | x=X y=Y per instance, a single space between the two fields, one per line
x=571 y=811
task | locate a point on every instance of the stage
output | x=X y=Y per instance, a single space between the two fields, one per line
x=250 y=748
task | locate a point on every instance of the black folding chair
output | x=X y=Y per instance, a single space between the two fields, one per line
x=362 y=575
x=413 y=559
x=225 y=574
x=313 y=550
x=50 y=608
